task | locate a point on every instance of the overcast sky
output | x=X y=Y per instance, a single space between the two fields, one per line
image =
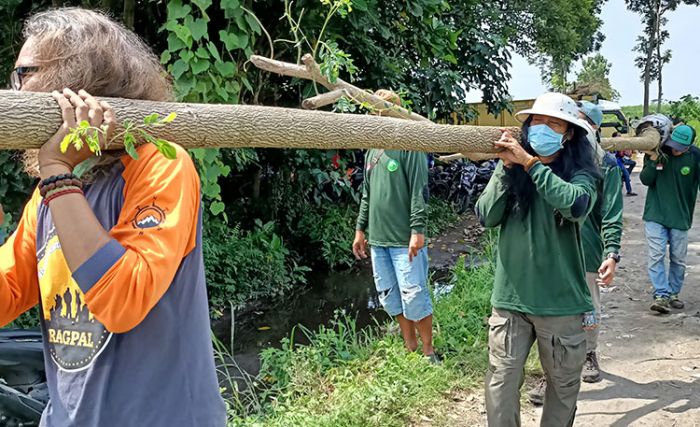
x=621 y=29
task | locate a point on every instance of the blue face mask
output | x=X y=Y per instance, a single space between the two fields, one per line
x=544 y=140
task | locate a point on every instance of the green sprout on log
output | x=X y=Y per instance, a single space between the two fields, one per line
x=84 y=134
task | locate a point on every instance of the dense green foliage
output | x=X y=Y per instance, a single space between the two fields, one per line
x=15 y=188
x=349 y=377
x=441 y=216
x=261 y=265
x=556 y=33
x=595 y=73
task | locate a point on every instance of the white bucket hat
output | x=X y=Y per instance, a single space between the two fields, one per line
x=555 y=105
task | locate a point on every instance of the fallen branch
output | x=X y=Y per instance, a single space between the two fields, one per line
x=647 y=141
x=28 y=120
x=320 y=101
x=311 y=71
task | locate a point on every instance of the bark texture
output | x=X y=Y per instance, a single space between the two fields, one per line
x=28 y=120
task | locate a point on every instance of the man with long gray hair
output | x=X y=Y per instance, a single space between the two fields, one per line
x=110 y=247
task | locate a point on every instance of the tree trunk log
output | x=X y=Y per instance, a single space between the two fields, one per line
x=661 y=73
x=311 y=71
x=257 y=180
x=28 y=120
x=650 y=53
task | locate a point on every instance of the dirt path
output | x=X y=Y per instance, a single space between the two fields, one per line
x=651 y=362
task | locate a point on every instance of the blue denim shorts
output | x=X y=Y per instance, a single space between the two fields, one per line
x=402 y=285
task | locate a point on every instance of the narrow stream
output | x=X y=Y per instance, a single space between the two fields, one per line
x=314 y=305
x=351 y=291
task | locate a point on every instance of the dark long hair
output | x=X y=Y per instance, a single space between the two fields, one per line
x=576 y=156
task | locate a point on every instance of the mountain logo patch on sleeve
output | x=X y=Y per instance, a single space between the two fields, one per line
x=149 y=217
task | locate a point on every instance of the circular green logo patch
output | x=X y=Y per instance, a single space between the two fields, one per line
x=393 y=165
x=685 y=170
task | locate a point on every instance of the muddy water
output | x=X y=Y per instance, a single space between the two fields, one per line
x=314 y=305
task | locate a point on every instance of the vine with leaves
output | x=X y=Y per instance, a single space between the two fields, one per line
x=86 y=135
x=208 y=69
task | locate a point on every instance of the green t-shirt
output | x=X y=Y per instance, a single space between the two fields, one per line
x=672 y=190
x=539 y=259
x=393 y=205
x=602 y=231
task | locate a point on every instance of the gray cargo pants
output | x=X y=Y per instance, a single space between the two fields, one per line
x=561 y=341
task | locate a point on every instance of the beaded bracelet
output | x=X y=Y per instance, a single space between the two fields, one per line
x=60 y=184
x=55 y=178
x=61 y=192
x=58 y=181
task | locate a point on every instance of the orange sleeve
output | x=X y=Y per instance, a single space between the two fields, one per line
x=156 y=229
x=19 y=283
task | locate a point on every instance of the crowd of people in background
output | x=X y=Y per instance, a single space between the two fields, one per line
x=556 y=199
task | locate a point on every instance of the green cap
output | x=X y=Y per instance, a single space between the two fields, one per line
x=592 y=111
x=681 y=138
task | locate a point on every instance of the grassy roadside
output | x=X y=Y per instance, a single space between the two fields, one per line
x=349 y=377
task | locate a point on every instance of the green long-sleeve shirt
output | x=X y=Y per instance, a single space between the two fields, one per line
x=393 y=206
x=602 y=231
x=672 y=190
x=539 y=260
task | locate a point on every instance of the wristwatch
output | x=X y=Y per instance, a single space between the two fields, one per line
x=614 y=256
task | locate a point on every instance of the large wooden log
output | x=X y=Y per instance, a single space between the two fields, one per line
x=647 y=141
x=27 y=120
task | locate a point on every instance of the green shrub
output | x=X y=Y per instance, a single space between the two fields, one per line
x=28 y=319
x=246 y=265
x=347 y=377
x=330 y=230
x=441 y=216
x=15 y=189
x=460 y=319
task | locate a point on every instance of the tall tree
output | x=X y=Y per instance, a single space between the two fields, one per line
x=553 y=34
x=653 y=16
x=658 y=60
x=661 y=59
x=596 y=74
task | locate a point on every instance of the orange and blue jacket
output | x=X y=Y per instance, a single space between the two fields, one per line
x=126 y=335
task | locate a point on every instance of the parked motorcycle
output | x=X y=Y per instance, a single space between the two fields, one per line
x=461 y=183
x=23 y=390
